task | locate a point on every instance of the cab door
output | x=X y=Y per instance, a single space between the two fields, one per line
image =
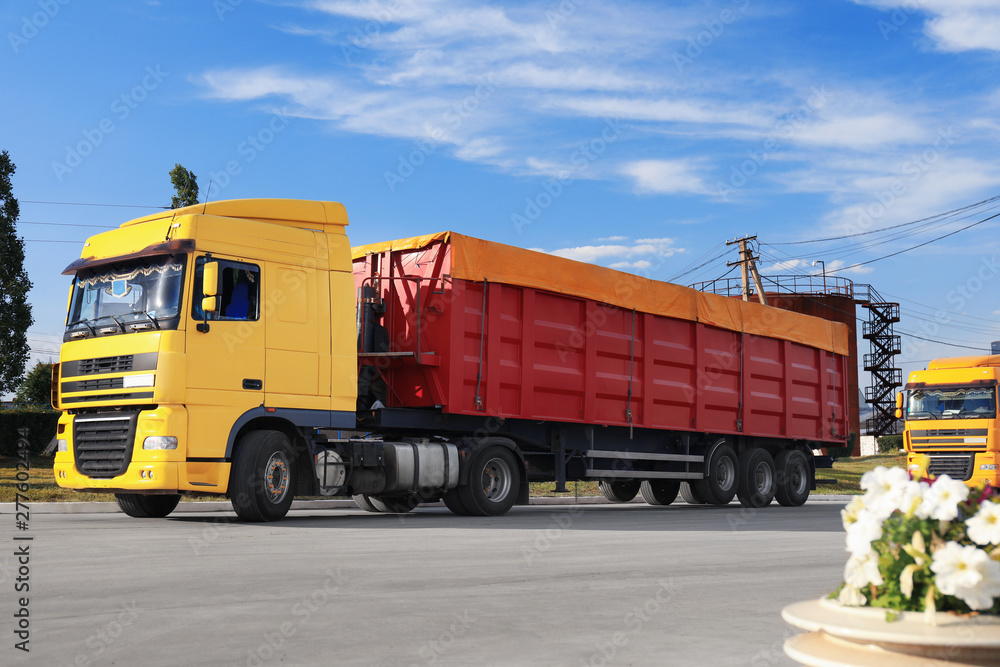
x=225 y=353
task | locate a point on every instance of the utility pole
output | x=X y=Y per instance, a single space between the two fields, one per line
x=748 y=268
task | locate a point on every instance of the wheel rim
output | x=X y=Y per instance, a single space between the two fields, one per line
x=276 y=477
x=763 y=477
x=725 y=473
x=496 y=480
x=797 y=479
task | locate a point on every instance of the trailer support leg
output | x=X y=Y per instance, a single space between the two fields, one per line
x=559 y=449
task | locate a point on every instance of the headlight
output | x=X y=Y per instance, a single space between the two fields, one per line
x=62 y=445
x=160 y=442
x=144 y=380
x=989 y=466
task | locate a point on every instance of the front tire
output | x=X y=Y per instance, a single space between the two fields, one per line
x=793 y=478
x=147 y=507
x=660 y=491
x=619 y=492
x=260 y=484
x=494 y=480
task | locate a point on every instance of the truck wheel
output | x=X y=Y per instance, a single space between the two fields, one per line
x=690 y=494
x=756 y=478
x=147 y=507
x=453 y=501
x=395 y=504
x=494 y=480
x=793 y=478
x=660 y=491
x=619 y=492
x=260 y=484
x=721 y=480
x=364 y=502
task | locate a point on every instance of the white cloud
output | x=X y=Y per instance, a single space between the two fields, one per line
x=666 y=177
x=954 y=25
x=639 y=255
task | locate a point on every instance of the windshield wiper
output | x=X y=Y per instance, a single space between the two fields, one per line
x=156 y=325
x=916 y=414
x=85 y=322
x=121 y=327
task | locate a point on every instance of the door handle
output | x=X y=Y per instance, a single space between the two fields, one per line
x=253 y=384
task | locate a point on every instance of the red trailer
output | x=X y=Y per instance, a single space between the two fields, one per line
x=598 y=374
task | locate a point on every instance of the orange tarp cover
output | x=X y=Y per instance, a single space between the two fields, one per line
x=478 y=260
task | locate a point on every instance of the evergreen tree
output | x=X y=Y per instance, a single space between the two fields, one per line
x=186 y=185
x=37 y=386
x=15 y=311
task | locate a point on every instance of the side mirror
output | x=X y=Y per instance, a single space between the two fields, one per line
x=210 y=280
x=209 y=288
x=899 y=400
x=899 y=413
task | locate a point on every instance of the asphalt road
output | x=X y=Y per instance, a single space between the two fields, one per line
x=544 y=585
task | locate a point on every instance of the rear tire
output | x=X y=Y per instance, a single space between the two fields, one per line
x=793 y=482
x=690 y=494
x=364 y=502
x=619 y=492
x=260 y=484
x=757 y=483
x=660 y=491
x=147 y=507
x=394 y=504
x=721 y=479
x=494 y=481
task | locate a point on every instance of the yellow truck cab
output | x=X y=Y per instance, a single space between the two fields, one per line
x=951 y=420
x=166 y=345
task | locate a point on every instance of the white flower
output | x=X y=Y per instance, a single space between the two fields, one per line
x=883 y=488
x=908 y=497
x=862 y=569
x=967 y=573
x=984 y=528
x=852 y=597
x=849 y=514
x=866 y=527
x=942 y=499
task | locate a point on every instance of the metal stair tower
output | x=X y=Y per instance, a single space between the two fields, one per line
x=884 y=346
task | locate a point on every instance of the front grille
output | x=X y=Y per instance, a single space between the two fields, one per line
x=102 y=442
x=121 y=364
x=93 y=385
x=955 y=466
x=946 y=432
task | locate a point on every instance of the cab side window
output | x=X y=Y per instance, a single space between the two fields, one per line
x=238 y=292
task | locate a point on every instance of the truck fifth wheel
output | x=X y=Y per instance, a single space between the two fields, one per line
x=243 y=348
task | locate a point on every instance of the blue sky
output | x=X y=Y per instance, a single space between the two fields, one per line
x=639 y=135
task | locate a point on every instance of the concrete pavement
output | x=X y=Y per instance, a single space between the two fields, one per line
x=544 y=585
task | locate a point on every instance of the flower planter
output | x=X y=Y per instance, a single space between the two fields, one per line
x=839 y=636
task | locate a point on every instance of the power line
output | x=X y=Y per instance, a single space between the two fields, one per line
x=66 y=203
x=63 y=224
x=919 y=245
x=51 y=241
x=883 y=229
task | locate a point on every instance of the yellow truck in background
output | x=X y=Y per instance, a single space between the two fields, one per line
x=951 y=420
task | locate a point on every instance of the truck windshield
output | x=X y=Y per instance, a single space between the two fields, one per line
x=952 y=403
x=125 y=297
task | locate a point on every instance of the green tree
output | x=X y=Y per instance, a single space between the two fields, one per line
x=15 y=311
x=36 y=389
x=186 y=184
